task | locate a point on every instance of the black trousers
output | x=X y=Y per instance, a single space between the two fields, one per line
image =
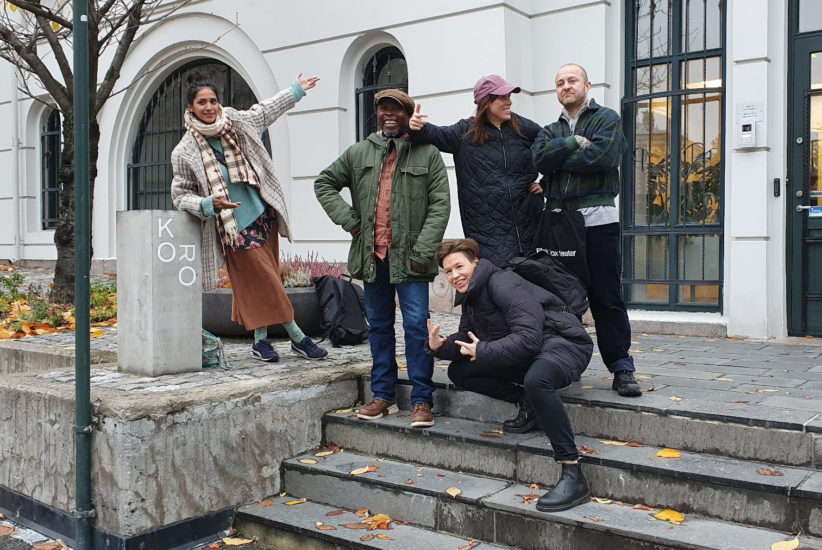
x=540 y=381
x=605 y=297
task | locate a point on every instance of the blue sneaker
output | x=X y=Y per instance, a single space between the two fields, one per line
x=263 y=351
x=308 y=349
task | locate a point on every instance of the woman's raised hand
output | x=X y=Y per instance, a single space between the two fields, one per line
x=469 y=349
x=307 y=83
x=434 y=339
x=417 y=119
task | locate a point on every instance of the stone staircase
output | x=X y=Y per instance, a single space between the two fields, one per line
x=742 y=482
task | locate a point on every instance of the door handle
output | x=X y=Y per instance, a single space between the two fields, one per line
x=800 y=208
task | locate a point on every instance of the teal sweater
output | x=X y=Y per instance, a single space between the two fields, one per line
x=579 y=178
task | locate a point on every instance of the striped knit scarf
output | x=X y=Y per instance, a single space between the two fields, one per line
x=239 y=169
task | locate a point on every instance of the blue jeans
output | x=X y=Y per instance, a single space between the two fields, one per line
x=380 y=310
x=605 y=297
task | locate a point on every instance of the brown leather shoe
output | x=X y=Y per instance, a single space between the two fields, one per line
x=377 y=409
x=422 y=417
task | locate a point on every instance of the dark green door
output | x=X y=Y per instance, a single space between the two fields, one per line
x=804 y=200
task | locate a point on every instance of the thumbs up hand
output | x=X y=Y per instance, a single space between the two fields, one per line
x=417 y=119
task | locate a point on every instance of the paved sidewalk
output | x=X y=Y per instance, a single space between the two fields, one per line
x=775 y=383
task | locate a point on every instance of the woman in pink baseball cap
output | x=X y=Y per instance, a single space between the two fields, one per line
x=499 y=199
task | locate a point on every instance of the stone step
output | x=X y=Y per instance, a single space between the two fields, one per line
x=719 y=487
x=495 y=510
x=295 y=526
x=702 y=422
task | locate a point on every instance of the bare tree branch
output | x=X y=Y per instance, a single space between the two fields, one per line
x=34 y=65
x=59 y=54
x=36 y=9
x=123 y=45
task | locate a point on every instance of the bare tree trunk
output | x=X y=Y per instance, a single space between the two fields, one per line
x=62 y=292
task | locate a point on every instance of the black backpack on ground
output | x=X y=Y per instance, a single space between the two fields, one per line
x=342 y=305
x=543 y=270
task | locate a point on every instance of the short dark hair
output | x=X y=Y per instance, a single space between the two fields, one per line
x=469 y=247
x=197 y=82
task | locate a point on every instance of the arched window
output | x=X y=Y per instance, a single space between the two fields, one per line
x=385 y=69
x=50 y=169
x=161 y=127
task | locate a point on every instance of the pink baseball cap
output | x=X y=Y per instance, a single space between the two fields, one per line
x=493 y=84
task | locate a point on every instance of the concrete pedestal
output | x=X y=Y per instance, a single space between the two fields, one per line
x=159 y=286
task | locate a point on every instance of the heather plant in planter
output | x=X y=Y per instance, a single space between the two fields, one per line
x=296 y=272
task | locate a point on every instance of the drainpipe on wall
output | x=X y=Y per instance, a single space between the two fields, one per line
x=17 y=242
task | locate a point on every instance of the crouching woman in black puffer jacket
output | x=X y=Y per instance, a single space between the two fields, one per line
x=514 y=341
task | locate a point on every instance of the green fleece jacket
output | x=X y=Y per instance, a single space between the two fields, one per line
x=579 y=178
x=420 y=205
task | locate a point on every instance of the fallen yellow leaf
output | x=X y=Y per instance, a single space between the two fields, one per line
x=669 y=453
x=364 y=470
x=97 y=333
x=602 y=500
x=453 y=491
x=587 y=387
x=307 y=461
x=786 y=545
x=230 y=541
x=723 y=379
x=324 y=453
x=295 y=502
x=384 y=537
x=674 y=398
x=592 y=518
x=767 y=391
x=342 y=411
x=615 y=443
x=671 y=516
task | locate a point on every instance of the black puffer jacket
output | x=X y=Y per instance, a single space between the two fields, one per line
x=496 y=208
x=517 y=322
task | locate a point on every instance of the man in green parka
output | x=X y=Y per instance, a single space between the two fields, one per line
x=400 y=204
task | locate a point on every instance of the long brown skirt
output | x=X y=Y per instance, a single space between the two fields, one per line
x=259 y=299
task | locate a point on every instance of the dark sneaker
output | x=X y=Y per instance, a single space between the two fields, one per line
x=625 y=384
x=308 y=349
x=377 y=409
x=263 y=351
x=422 y=417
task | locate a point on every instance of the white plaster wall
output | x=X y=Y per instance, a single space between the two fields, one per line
x=447 y=45
x=754 y=218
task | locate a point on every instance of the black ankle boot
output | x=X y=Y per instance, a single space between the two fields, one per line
x=571 y=490
x=525 y=421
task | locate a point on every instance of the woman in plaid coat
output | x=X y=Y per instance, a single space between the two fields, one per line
x=224 y=176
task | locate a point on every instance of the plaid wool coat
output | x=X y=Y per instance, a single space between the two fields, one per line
x=190 y=185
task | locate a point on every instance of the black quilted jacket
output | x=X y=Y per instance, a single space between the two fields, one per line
x=516 y=322
x=496 y=208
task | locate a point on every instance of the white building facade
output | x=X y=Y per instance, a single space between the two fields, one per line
x=717 y=96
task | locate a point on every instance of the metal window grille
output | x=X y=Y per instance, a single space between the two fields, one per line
x=385 y=69
x=161 y=127
x=50 y=141
x=673 y=188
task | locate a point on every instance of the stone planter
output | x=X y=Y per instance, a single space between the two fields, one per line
x=217 y=313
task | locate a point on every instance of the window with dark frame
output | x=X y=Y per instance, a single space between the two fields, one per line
x=383 y=70
x=673 y=119
x=161 y=127
x=50 y=140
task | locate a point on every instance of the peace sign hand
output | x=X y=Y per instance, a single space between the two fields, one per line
x=417 y=119
x=469 y=349
x=434 y=339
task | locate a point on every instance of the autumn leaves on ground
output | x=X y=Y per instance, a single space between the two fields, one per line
x=26 y=312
